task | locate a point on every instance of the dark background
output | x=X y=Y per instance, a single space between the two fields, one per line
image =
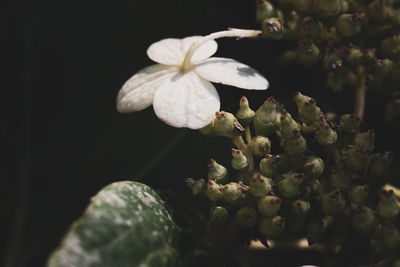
x=63 y=139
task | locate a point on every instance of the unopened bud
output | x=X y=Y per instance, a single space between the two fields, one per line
x=325 y=135
x=357 y=158
x=335 y=80
x=260 y=186
x=260 y=146
x=265 y=119
x=358 y=194
x=264 y=10
x=197 y=186
x=268 y=205
x=388 y=207
x=218 y=216
x=364 y=220
x=294 y=145
x=245 y=113
x=300 y=208
x=268 y=165
x=332 y=62
x=302 y=6
x=380 y=163
x=327 y=8
x=365 y=140
x=217 y=172
x=354 y=55
x=377 y=11
x=350 y=122
x=313 y=167
x=311 y=188
x=333 y=203
x=289 y=187
x=309 y=112
x=213 y=191
x=246 y=217
x=288 y=125
x=387 y=237
x=272 y=28
x=340 y=178
x=349 y=25
x=308 y=53
x=309 y=29
x=231 y=192
x=225 y=124
x=239 y=161
x=272 y=227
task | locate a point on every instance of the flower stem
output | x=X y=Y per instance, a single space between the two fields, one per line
x=245 y=148
x=239 y=33
x=359 y=94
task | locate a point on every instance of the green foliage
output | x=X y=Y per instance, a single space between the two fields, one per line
x=126 y=224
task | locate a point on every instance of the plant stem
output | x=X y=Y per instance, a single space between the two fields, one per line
x=359 y=93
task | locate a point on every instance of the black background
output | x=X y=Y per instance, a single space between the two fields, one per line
x=63 y=139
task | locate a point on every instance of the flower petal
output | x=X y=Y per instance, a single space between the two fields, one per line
x=186 y=100
x=172 y=51
x=138 y=92
x=231 y=72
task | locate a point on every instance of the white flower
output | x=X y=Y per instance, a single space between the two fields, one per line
x=179 y=87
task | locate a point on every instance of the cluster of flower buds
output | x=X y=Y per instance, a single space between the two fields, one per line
x=333 y=33
x=296 y=191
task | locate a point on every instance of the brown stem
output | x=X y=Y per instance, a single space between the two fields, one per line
x=359 y=93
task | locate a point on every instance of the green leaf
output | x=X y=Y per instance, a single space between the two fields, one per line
x=126 y=224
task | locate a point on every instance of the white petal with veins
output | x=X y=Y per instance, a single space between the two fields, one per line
x=186 y=100
x=138 y=92
x=172 y=51
x=231 y=72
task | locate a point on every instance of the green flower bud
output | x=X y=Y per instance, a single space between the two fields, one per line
x=245 y=113
x=390 y=47
x=333 y=203
x=268 y=165
x=377 y=11
x=325 y=135
x=219 y=216
x=357 y=158
x=383 y=67
x=272 y=28
x=387 y=238
x=365 y=140
x=313 y=167
x=225 y=124
x=295 y=145
x=309 y=112
x=246 y=217
x=308 y=53
x=288 y=125
x=269 y=205
x=213 y=191
x=349 y=25
x=327 y=8
x=309 y=29
x=340 y=178
x=358 y=194
x=364 y=221
x=197 y=186
x=302 y=6
x=300 y=208
x=289 y=187
x=231 y=192
x=335 y=81
x=239 y=161
x=350 y=122
x=312 y=188
x=354 y=55
x=265 y=119
x=380 y=163
x=260 y=146
x=283 y=164
x=264 y=10
x=260 y=186
x=272 y=227
x=285 y=4
x=388 y=207
x=332 y=61
x=217 y=172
